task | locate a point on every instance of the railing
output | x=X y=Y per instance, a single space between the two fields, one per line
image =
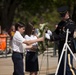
x=4 y=45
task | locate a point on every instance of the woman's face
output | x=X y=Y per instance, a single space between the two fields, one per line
x=21 y=30
x=13 y=27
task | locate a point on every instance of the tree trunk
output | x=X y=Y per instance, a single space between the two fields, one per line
x=74 y=12
x=8 y=11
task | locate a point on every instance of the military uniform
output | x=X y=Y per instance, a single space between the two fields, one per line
x=60 y=35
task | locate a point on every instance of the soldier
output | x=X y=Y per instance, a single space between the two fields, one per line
x=59 y=35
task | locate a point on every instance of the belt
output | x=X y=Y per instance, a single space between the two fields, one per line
x=17 y=52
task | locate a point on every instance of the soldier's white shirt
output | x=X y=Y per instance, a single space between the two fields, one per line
x=17 y=42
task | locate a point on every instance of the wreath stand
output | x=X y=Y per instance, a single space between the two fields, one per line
x=65 y=48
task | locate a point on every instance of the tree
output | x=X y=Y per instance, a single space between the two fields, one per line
x=19 y=10
x=74 y=11
x=7 y=11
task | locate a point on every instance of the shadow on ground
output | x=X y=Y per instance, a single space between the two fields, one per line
x=52 y=74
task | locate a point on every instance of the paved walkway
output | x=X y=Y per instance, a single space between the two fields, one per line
x=47 y=65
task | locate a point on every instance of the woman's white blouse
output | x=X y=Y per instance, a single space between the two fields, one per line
x=17 y=42
x=31 y=37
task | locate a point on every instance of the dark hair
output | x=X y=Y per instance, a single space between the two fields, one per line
x=20 y=25
x=28 y=29
x=33 y=31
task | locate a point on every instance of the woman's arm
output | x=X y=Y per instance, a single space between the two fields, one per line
x=29 y=46
x=28 y=42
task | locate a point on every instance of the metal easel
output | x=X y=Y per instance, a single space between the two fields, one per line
x=65 y=48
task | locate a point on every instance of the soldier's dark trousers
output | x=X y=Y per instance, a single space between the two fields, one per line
x=18 y=63
x=69 y=65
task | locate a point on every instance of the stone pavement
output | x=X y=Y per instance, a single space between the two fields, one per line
x=47 y=65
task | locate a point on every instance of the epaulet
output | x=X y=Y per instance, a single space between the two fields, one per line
x=71 y=21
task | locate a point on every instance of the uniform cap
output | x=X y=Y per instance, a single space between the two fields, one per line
x=62 y=10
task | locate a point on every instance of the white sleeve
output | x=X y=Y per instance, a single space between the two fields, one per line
x=26 y=37
x=19 y=38
x=24 y=46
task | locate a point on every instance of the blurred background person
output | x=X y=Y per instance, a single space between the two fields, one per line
x=55 y=45
x=11 y=33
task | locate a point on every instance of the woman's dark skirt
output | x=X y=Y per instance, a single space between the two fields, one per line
x=31 y=62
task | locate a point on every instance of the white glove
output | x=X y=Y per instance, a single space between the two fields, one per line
x=49 y=32
x=47 y=36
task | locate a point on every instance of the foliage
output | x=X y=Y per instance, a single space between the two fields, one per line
x=41 y=11
x=34 y=10
x=42 y=30
x=37 y=11
x=7 y=11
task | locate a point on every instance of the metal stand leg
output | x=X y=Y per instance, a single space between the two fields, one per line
x=46 y=64
x=65 y=48
x=41 y=63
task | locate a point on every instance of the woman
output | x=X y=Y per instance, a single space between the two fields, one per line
x=31 y=55
x=18 y=50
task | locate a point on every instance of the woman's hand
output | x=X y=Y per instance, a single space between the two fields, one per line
x=41 y=39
